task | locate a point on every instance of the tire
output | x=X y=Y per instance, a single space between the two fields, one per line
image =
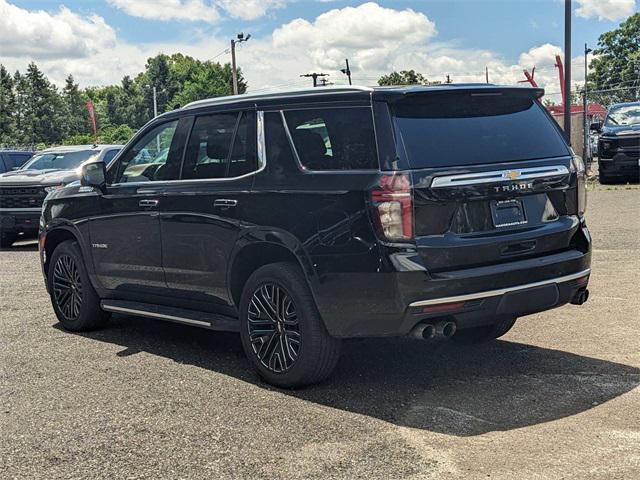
x=472 y=336
x=74 y=300
x=282 y=332
x=7 y=239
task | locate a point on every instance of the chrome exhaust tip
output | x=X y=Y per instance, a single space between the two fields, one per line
x=446 y=328
x=423 y=331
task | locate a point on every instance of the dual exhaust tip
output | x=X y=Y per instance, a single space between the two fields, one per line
x=427 y=331
x=580 y=297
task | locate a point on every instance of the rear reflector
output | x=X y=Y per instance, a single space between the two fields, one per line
x=442 y=307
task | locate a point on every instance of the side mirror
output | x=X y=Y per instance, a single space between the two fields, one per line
x=94 y=175
x=596 y=126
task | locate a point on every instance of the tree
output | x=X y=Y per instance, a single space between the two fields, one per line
x=616 y=63
x=405 y=77
x=7 y=108
x=41 y=107
x=74 y=118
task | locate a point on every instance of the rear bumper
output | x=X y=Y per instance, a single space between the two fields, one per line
x=20 y=221
x=392 y=303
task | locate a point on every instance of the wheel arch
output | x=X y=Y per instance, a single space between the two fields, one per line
x=58 y=234
x=264 y=249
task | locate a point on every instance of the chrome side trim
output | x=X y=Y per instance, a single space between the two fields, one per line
x=161 y=316
x=22 y=210
x=497 y=176
x=501 y=291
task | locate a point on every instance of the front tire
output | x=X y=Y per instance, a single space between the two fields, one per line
x=74 y=300
x=282 y=332
x=486 y=333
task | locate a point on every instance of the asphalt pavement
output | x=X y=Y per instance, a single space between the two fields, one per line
x=557 y=397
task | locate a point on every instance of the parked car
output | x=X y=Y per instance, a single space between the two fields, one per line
x=13 y=159
x=302 y=218
x=619 y=143
x=22 y=191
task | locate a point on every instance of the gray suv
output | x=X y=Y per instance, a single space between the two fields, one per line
x=22 y=191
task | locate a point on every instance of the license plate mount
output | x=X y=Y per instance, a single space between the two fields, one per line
x=508 y=213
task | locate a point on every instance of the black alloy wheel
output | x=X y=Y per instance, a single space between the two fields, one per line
x=67 y=288
x=273 y=328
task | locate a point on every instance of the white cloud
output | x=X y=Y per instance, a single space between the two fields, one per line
x=190 y=10
x=249 y=9
x=43 y=35
x=369 y=34
x=612 y=10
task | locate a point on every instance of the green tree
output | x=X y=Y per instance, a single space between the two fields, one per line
x=7 y=108
x=41 y=108
x=75 y=117
x=616 y=63
x=405 y=77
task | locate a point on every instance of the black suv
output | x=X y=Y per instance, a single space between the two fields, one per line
x=302 y=218
x=619 y=143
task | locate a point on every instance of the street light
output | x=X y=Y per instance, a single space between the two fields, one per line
x=155 y=100
x=585 y=153
x=240 y=38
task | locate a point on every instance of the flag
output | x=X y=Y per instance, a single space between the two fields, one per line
x=92 y=116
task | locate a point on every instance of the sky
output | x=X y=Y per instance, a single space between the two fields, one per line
x=100 y=41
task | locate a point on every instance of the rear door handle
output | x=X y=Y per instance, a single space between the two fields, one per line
x=224 y=202
x=148 y=203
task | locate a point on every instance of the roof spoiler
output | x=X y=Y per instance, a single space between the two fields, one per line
x=474 y=90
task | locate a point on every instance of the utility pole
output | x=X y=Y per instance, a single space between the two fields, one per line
x=315 y=77
x=448 y=79
x=585 y=103
x=567 y=70
x=486 y=73
x=234 y=72
x=347 y=71
x=155 y=99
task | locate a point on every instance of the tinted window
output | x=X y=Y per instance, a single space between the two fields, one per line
x=109 y=156
x=209 y=145
x=16 y=159
x=467 y=129
x=147 y=160
x=243 y=157
x=334 y=138
x=59 y=160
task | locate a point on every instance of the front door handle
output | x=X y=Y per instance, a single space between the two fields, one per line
x=224 y=202
x=148 y=203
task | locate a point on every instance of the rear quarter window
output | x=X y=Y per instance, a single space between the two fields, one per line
x=457 y=129
x=334 y=138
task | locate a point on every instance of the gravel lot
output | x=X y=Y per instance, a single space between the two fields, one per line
x=557 y=398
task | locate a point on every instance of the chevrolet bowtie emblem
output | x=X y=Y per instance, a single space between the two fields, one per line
x=512 y=174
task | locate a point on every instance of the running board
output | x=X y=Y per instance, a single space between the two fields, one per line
x=212 y=321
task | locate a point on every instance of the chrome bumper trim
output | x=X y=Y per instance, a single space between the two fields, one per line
x=497 y=176
x=501 y=291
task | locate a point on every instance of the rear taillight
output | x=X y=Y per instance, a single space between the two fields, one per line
x=393 y=207
x=581 y=184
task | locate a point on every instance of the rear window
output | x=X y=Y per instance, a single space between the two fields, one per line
x=334 y=138
x=456 y=129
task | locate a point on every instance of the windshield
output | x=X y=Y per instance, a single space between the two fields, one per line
x=624 y=115
x=58 y=161
x=466 y=128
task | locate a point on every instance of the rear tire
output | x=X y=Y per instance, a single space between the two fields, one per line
x=475 y=335
x=74 y=300
x=282 y=332
x=7 y=239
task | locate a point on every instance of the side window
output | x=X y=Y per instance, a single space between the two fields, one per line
x=334 y=138
x=147 y=160
x=243 y=154
x=109 y=156
x=17 y=159
x=209 y=145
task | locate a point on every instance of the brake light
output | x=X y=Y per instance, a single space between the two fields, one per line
x=393 y=207
x=581 y=185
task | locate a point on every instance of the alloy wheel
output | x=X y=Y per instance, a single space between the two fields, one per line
x=67 y=287
x=273 y=326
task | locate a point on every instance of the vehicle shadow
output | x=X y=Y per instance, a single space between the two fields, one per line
x=437 y=386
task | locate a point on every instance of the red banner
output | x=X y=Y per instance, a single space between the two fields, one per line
x=92 y=116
